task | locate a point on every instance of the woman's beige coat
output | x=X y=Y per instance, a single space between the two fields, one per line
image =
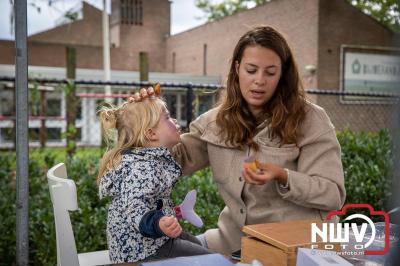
x=315 y=175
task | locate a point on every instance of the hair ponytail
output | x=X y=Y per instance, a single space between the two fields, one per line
x=108 y=120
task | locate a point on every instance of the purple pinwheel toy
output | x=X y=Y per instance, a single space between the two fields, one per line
x=186 y=209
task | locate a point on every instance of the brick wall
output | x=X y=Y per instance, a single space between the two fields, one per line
x=296 y=19
x=150 y=37
x=7 y=52
x=341 y=23
x=87 y=31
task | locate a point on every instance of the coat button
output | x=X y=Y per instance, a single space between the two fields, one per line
x=241 y=211
x=240 y=178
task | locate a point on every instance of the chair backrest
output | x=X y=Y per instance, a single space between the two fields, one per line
x=64 y=199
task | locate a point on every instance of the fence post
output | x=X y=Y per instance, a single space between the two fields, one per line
x=71 y=102
x=189 y=101
x=144 y=66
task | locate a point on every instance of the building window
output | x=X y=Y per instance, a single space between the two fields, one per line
x=7 y=134
x=53 y=134
x=53 y=107
x=132 y=12
x=183 y=106
x=205 y=103
x=34 y=134
x=6 y=107
x=79 y=108
x=171 y=100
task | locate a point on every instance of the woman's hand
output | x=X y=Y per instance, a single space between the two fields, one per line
x=169 y=226
x=265 y=172
x=144 y=93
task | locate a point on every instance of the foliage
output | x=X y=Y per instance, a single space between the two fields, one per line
x=7 y=208
x=70 y=87
x=35 y=98
x=225 y=8
x=385 y=11
x=88 y=222
x=366 y=160
x=71 y=106
x=208 y=205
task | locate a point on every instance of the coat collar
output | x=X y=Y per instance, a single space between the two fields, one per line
x=151 y=153
x=211 y=134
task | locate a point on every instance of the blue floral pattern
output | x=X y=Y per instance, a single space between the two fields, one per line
x=142 y=178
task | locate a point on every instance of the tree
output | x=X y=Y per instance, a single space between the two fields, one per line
x=225 y=8
x=386 y=12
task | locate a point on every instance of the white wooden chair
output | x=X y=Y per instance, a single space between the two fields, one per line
x=64 y=199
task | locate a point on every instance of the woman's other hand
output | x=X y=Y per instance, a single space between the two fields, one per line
x=143 y=93
x=170 y=227
x=265 y=172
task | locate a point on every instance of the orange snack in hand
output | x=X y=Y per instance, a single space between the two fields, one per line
x=250 y=162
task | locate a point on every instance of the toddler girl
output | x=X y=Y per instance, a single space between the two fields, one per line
x=138 y=173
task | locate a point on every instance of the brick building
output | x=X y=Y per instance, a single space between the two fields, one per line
x=130 y=34
x=315 y=29
x=318 y=31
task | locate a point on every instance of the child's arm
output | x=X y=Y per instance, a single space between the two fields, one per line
x=155 y=224
x=149 y=224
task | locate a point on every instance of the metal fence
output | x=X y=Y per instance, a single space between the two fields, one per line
x=366 y=112
x=48 y=108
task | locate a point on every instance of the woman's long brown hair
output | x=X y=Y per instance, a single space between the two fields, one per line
x=284 y=111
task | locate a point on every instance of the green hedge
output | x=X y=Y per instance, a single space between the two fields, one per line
x=367 y=162
x=366 y=159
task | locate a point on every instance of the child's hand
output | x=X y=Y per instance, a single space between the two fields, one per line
x=170 y=226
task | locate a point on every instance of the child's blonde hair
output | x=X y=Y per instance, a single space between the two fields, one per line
x=125 y=127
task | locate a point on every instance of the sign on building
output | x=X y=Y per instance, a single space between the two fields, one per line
x=369 y=70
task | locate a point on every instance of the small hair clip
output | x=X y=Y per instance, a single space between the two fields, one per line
x=157 y=89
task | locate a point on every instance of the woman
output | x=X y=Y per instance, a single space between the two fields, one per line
x=265 y=115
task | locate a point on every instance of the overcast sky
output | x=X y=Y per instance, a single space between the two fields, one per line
x=183 y=12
